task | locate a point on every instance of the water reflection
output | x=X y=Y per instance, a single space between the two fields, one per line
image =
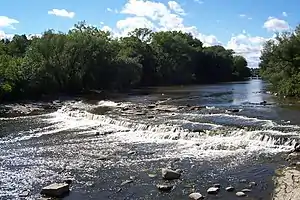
x=247 y=92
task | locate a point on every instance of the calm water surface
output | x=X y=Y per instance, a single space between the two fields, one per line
x=210 y=145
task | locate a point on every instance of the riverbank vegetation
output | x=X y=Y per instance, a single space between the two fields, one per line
x=280 y=63
x=87 y=58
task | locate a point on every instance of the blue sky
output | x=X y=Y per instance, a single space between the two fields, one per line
x=242 y=25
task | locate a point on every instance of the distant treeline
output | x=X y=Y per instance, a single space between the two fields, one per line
x=280 y=63
x=87 y=58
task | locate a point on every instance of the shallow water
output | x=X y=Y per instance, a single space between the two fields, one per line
x=210 y=145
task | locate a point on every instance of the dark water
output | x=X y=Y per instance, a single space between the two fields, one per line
x=210 y=145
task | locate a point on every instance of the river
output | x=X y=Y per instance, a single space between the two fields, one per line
x=210 y=145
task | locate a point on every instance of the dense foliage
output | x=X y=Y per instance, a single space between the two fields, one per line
x=280 y=63
x=87 y=58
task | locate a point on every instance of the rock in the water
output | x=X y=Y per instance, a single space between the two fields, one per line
x=240 y=194
x=97 y=133
x=56 y=190
x=151 y=106
x=217 y=185
x=131 y=152
x=24 y=194
x=246 y=190
x=126 y=182
x=164 y=187
x=152 y=175
x=297 y=147
x=230 y=189
x=251 y=184
x=243 y=181
x=196 y=196
x=213 y=190
x=169 y=174
x=233 y=110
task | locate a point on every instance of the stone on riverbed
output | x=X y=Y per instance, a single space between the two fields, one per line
x=196 y=196
x=246 y=190
x=213 y=190
x=169 y=174
x=56 y=190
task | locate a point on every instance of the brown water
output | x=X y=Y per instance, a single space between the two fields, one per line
x=210 y=145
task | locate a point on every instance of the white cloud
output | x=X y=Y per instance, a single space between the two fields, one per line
x=284 y=14
x=274 y=24
x=158 y=17
x=173 y=5
x=199 y=1
x=8 y=22
x=4 y=35
x=106 y=28
x=245 y=16
x=61 y=13
x=248 y=46
x=109 y=9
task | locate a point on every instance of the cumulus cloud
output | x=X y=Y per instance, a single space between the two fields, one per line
x=248 y=46
x=4 y=35
x=8 y=22
x=61 y=13
x=174 y=6
x=245 y=16
x=275 y=24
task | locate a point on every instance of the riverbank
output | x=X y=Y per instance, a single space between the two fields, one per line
x=287 y=179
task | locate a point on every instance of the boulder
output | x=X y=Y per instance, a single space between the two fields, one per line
x=169 y=174
x=196 y=196
x=56 y=190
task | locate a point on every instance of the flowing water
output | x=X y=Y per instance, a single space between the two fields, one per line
x=133 y=140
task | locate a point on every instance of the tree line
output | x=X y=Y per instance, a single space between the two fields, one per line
x=87 y=58
x=280 y=63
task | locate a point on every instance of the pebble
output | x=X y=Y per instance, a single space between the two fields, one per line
x=131 y=152
x=213 y=190
x=164 y=187
x=152 y=175
x=196 y=196
x=252 y=184
x=217 y=185
x=230 y=189
x=240 y=194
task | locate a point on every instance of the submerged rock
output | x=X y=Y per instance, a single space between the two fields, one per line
x=246 y=190
x=196 y=196
x=169 y=174
x=164 y=187
x=56 y=190
x=217 y=185
x=252 y=183
x=213 y=190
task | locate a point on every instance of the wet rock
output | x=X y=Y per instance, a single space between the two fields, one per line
x=68 y=180
x=263 y=103
x=213 y=190
x=150 y=117
x=217 y=185
x=233 y=110
x=246 y=190
x=126 y=182
x=196 y=196
x=293 y=156
x=169 y=174
x=152 y=175
x=151 y=106
x=251 y=184
x=97 y=133
x=131 y=152
x=125 y=108
x=229 y=189
x=181 y=107
x=24 y=194
x=56 y=190
x=297 y=147
x=164 y=187
x=240 y=194
x=196 y=107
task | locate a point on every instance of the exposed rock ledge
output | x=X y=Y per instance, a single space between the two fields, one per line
x=287 y=184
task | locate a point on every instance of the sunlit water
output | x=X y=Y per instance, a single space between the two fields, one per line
x=210 y=145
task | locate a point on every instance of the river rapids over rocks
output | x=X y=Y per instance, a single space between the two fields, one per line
x=215 y=134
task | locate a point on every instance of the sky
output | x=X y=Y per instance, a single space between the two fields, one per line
x=241 y=25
